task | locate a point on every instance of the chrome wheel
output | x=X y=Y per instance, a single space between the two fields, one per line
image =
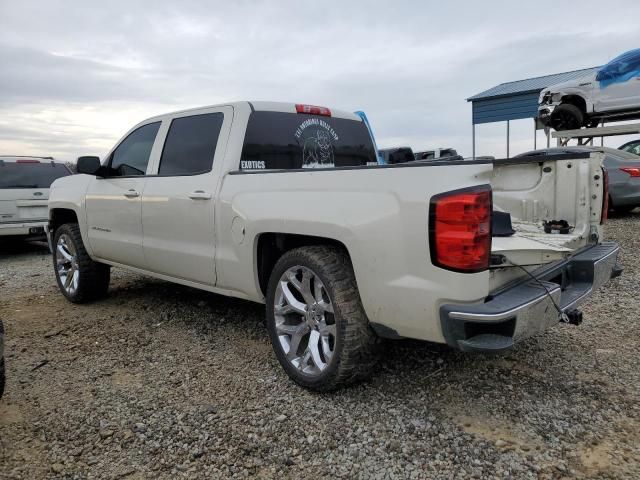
x=67 y=264
x=304 y=320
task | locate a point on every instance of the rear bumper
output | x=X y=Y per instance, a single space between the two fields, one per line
x=526 y=309
x=23 y=228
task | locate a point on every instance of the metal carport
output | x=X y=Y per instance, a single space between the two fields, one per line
x=515 y=100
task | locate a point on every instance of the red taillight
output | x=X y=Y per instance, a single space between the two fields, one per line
x=633 y=171
x=605 y=197
x=460 y=229
x=313 y=110
x=27 y=161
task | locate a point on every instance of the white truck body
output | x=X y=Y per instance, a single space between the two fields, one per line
x=208 y=230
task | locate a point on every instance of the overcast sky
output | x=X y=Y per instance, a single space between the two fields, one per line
x=76 y=75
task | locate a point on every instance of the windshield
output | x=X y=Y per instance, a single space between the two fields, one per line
x=276 y=140
x=626 y=56
x=30 y=175
x=621 y=69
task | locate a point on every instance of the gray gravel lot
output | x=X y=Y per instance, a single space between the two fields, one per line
x=163 y=381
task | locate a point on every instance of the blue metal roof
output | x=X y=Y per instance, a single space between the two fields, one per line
x=530 y=85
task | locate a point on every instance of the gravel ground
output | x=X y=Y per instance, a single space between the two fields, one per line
x=162 y=381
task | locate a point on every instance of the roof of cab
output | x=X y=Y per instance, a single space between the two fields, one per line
x=261 y=106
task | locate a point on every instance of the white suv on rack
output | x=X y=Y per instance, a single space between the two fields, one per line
x=610 y=92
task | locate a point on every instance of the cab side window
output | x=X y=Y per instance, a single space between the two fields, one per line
x=191 y=144
x=131 y=157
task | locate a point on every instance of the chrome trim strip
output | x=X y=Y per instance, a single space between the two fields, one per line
x=496 y=317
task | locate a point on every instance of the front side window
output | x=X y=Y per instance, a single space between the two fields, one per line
x=191 y=144
x=131 y=157
x=278 y=140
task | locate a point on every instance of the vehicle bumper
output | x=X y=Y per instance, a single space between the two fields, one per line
x=545 y=112
x=23 y=228
x=526 y=309
x=625 y=193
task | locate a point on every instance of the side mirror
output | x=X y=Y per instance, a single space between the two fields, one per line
x=89 y=165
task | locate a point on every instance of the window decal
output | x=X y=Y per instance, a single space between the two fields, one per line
x=317 y=139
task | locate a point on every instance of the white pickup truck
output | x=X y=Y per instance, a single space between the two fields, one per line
x=286 y=205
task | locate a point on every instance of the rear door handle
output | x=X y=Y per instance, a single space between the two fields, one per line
x=200 y=195
x=131 y=194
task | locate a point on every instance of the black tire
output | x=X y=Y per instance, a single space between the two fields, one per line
x=623 y=209
x=356 y=344
x=93 y=282
x=2 y=371
x=567 y=117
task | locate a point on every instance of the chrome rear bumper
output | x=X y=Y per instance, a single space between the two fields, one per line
x=529 y=307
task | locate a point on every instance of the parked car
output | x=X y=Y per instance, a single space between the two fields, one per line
x=437 y=154
x=623 y=169
x=632 y=147
x=286 y=205
x=611 y=92
x=392 y=156
x=2 y=368
x=24 y=192
x=405 y=154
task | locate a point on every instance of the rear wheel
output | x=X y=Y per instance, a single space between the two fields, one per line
x=80 y=279
x=567 y=117
x=318 y=327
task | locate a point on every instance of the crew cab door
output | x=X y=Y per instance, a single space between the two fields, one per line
x=178 y=202
x=113 y=202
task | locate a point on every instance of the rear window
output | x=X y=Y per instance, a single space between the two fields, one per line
x=30 y=175
x=276 y=140
x=191 y=144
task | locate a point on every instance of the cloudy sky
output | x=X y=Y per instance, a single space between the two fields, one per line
x=75 y=75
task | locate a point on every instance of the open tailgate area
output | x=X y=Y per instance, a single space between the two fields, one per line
x=535 y=190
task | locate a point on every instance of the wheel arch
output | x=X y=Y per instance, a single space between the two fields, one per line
x=270 y=246
x=577 y=100
x=60 y=216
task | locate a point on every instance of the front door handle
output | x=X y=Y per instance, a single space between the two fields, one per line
x=131 y=194
x=200 y=195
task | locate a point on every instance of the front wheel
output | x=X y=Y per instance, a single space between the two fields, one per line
x=318 y=327
x=79 y=278
x=567 y=117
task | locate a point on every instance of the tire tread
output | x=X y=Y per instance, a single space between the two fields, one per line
x=360 y=344
x=94 y=276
